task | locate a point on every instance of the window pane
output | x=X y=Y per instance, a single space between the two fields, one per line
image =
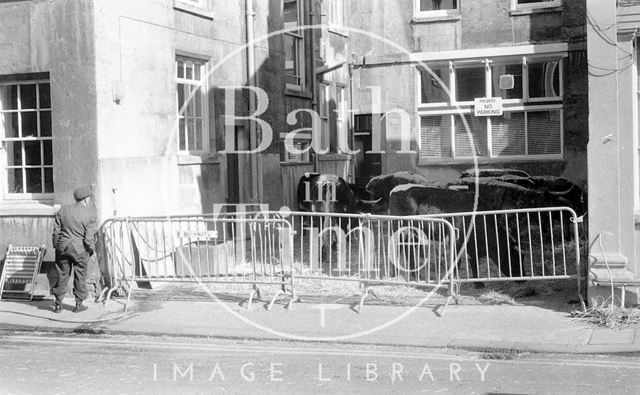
x=433 y=5
x=14 y=153
x=191 y=134
x=290 y=13
x=45 y=123
x=181 y=97
x=198 y=135
x=28 y=97
x=34 y=180
x=470 y=83
x=324 y=107
x=432 y=90
x=190 y=97
x=45 y=95
x=48 y=152
x=435 y=136
x=32 y=153
x=14 y=181
x=182 y=135
x=514 y=70
x=197 y=72
x=9 y=124
x=188 y=70
x=544 y=132
x=180 y=68
x=544 y=79
x=197 y=101
x=507 y=134
x=48 y=180
x=290 y=55
x=8 y=97
x=473 y=142
x=29 y=123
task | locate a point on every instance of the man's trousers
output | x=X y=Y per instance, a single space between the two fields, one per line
x=68 y=262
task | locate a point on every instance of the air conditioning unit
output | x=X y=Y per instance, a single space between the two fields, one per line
x=506 y=81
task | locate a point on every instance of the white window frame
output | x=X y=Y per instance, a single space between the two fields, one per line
x=298 y=37
x=25 y=196
x=201 y=85
x=335 y=13
x=524 y=105
x=417 y=13
x=324 y=99
x=534 y=6
x=303 y=158
x=194 y=3
x=341 y=117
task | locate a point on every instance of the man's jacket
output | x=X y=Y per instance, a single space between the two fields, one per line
x=75 y=224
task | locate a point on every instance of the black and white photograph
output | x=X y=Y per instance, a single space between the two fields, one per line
x=319 y=197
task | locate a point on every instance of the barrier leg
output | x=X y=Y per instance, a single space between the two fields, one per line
x=109 y=294
x=254 y=292
x=102 y=295
x=273 y=300
x=291 y=301
x=367 y=291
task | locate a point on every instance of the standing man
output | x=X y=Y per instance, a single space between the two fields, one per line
x=73 y=238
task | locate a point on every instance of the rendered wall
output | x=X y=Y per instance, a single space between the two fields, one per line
x=613 y=157
x=54 y=37
x=137 y=43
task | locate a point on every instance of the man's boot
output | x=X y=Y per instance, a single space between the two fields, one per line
x=57 y=308
x=79 y=307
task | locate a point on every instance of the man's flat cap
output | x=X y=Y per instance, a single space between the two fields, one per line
x=82 y=192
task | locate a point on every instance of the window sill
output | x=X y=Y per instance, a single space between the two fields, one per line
x=529 y=11
x=331 y=157
x=28 y=209
x=193 y=10
x=298 y=93
x=204 y=159
x=289 y=164
x=484 y=161
x=440 y=18
x=339 y=31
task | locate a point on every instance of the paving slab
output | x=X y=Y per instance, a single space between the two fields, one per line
x=608 y=336
x=486 y=327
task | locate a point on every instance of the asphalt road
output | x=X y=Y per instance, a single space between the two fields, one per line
x=47 y=364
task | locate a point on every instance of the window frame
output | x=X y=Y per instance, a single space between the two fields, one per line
x=298 y=38
x=535 y=6
x=304 y=158
x=417 y=13
x=335 y=13
x=324 y=99
x=27 y=196
x=342 y=130
x=202 y=87
x=193 y=3
x=525 y=105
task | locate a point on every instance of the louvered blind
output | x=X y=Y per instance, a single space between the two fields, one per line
x=508 y=136
x=471 y=142
x=544 y=133
x=435 y=136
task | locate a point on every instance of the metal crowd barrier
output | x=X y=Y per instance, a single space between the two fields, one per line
x=374 y=250
x=282 y=248
x=522 y=244
x=203 y=249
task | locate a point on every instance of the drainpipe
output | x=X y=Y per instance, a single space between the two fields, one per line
x=252 y=80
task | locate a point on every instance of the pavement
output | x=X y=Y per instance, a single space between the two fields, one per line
x=530 y=326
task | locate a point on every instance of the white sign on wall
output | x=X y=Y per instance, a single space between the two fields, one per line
x=487 y=106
